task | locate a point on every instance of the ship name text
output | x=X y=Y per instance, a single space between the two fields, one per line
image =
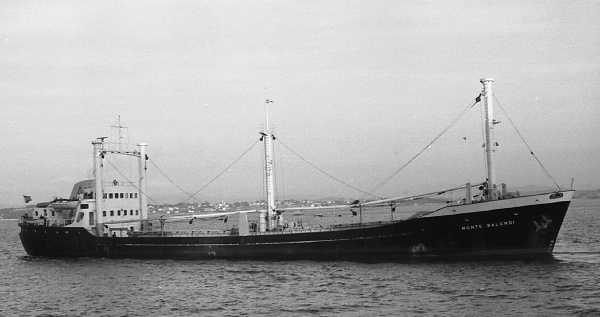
x=489 y=225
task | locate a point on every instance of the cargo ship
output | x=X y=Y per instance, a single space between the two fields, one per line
x=110 y=219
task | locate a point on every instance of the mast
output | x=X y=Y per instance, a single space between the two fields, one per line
x=268 y=137
x=142 y=181
x=490 y=143
x=119 y=128
x=99 y=197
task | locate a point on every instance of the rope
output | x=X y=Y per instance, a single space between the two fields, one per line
x=279 y=164
x=132 y=184
x=230 y=165
x=170 y=180
x=484 y=156
x=423 y=150
x=322 y=171
x=526 y=144
x=385 y=202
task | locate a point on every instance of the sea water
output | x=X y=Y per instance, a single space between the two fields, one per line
x=566 y=285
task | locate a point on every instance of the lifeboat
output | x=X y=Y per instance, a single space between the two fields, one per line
x=64 y=204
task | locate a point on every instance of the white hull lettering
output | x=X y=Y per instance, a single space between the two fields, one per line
x=489 y=225
x=502 y=223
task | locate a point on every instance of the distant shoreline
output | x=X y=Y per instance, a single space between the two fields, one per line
x=587 y=198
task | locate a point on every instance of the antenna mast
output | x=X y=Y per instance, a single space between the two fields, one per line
x=119 y=128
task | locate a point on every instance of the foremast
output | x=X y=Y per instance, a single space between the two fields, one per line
x=268 y=218
x=490 y=143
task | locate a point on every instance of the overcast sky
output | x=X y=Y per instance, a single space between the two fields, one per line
x=360 y=87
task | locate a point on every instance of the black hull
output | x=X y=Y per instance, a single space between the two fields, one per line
x=507 y=232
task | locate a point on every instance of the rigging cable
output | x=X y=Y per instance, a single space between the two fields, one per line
x=385 y=202
x=170 y=180
x=526 y=144
x=132 y=184
x=230 y=165
x=425 y=148
x=279 y=164
x=484 y=156
x=322 y=171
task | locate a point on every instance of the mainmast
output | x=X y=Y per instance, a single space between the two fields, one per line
x=490 y=143
x=267 y=137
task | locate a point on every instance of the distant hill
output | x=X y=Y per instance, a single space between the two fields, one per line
x=15 y=213
x=12 y=213
x=579 y=193
x=587 y=194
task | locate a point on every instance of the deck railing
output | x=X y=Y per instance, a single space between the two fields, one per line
x=184 y=233
x=45 y=222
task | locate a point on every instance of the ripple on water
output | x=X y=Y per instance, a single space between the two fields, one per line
x=566 y=285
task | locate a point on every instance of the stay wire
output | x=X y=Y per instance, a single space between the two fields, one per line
x=436 y=193
x=170 y=180
x=128 y=180
x=279 y=163
x=526 y=144
x=423 y=150
x=322 y=171
x=484 y=156
x=230 y=165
